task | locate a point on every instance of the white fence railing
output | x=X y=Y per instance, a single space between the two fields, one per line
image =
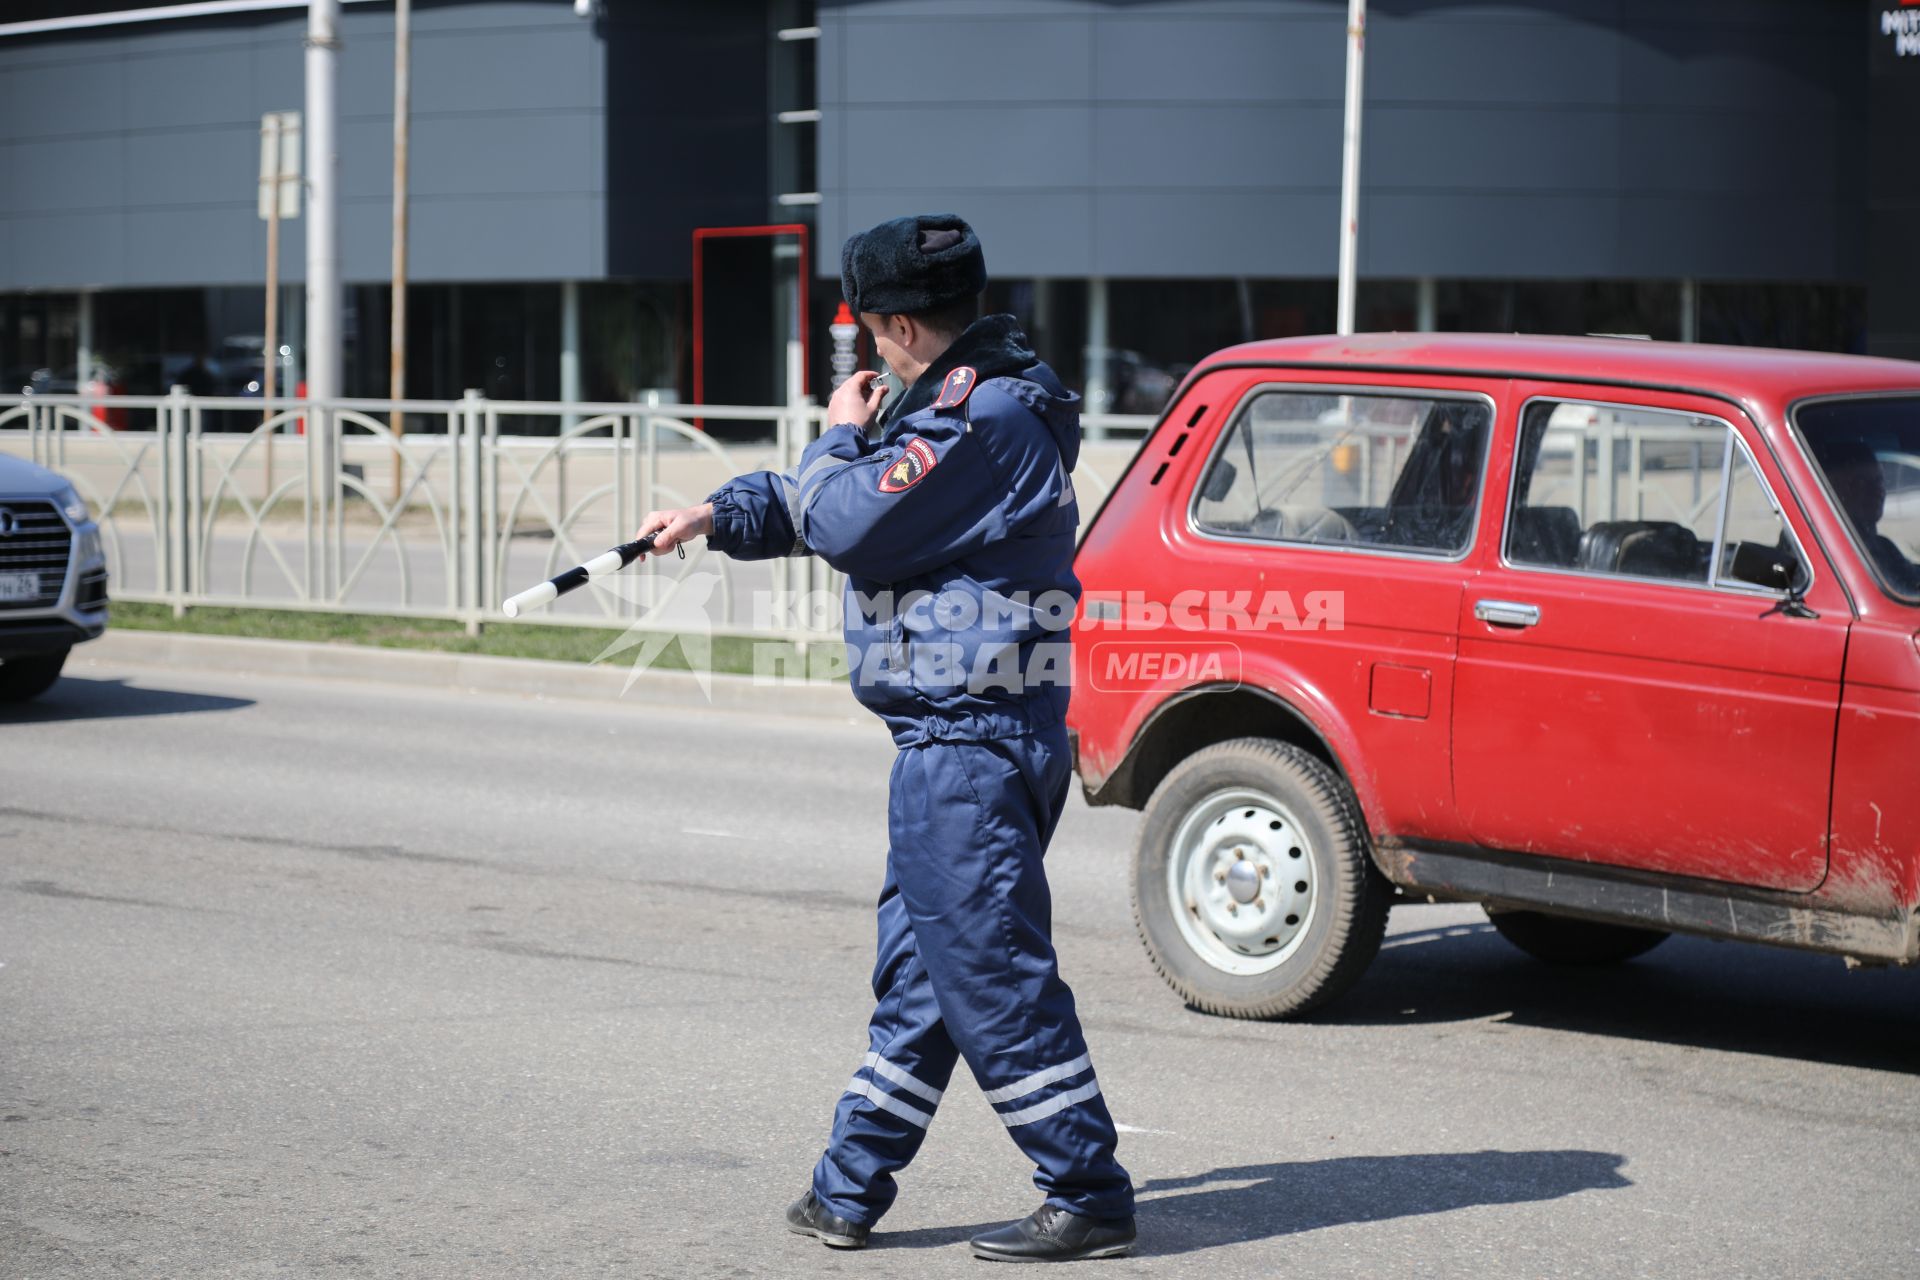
x=323 y=505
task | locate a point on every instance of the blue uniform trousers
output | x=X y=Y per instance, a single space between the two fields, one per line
x=966 y=969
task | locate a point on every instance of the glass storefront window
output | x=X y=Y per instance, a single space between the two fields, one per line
x=1806 y=317
x=504 y=339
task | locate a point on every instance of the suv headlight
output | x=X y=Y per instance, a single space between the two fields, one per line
x=72 y=505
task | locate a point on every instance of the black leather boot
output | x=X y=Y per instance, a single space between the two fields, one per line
x=809 y=1217
x=1051 y=1234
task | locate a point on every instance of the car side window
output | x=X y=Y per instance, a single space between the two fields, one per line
x=1645 y=493
x=1900 y=519
x=1397 y=472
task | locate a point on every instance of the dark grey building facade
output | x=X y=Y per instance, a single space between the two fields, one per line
x=1547 y=139
x=1152 y=178
x=547 y=149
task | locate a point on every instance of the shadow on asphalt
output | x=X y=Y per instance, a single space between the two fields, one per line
x=77 y=698
x=1733 y=996
x=1182 y=1215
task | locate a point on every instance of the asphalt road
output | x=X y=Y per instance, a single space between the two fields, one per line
x=307 y=977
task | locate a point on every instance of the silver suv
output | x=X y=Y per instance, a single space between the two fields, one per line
x=53 y=577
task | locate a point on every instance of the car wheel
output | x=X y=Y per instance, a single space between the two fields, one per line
x=1254 y=889
x=1567 y=941
x=30 y=676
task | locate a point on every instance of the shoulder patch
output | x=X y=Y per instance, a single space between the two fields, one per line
x=955 y=390
x=910 y=468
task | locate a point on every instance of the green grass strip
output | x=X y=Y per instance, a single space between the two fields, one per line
x=730 y=654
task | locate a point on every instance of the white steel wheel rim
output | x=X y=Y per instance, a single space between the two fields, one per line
x=1241 y=881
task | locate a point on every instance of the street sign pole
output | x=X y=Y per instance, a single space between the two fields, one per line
x=323 y=280
x=1350 y=163
x=270 y=197
x=270 y=347
x=402 y=127
x=279 y=198
x=323 y=235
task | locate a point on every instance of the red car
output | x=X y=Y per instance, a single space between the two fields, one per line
x=1617 y=638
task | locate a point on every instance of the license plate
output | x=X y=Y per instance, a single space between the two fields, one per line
x=19 y=586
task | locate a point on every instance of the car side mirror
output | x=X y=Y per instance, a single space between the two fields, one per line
x=1777 y=570
x=1763 y=566
x=1220 y=481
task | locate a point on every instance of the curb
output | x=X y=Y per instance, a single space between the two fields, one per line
x=527 y=677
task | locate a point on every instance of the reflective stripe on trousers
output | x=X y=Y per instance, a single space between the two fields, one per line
x=966 y=969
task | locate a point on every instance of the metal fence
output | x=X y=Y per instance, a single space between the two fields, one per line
x=325 y=505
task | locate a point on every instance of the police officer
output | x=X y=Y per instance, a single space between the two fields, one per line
x=955 y=529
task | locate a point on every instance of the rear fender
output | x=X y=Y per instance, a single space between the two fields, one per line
x=1166 y=726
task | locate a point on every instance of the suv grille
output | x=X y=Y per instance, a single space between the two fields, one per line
x=33 y=539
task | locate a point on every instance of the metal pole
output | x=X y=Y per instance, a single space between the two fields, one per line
x=1098 y=390
x=570 y=394
x=83 y=358
x=271 y=352
x=570 y=391
x=1689 y=310
x=269 y=374
x=292 y=368
x=177 y=501
x=402 y=127
x=569 y=349
x=1350 y=162
x=323 y=238
x=1429 y=305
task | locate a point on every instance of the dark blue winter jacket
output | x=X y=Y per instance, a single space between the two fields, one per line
x=956 y=532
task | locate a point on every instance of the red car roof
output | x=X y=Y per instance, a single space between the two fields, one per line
x=1738 y=372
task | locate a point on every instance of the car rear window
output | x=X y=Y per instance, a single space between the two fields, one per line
x=1868 y=452
x=1390 y=471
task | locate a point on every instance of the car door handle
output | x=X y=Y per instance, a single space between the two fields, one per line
x=1506 y=613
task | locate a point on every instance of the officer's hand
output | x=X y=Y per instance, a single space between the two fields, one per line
x=857 y=402
x=671 y=528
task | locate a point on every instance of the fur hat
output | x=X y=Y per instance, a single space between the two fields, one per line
x=912 y=264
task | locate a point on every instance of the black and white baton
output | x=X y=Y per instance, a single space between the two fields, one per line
x=579 y=576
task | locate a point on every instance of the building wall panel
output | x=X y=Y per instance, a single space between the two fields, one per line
x=1544 y=138
x=151 y=131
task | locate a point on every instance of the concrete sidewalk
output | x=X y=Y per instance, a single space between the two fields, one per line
x=528 y=677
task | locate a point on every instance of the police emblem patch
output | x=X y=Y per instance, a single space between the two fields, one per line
x=956 y=388
x=910 y=468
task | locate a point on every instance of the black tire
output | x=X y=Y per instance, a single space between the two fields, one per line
x=30 y=676
x=1563 y=940
x=1339 y=934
